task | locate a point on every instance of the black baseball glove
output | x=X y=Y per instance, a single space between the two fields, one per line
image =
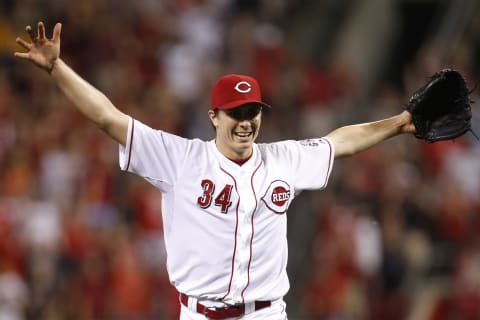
x=441 y=108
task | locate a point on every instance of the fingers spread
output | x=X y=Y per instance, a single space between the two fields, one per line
x=57 y=30
x=23 y=43
x=30 y=32
x=22 y=55
x=41 y=31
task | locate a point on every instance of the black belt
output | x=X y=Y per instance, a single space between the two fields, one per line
x=232 y=311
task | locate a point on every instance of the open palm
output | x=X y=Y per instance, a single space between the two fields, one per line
x=41 y=51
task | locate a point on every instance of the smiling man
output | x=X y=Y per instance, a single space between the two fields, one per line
x=235 y=112
x=224 y=200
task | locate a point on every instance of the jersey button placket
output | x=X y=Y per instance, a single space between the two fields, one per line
x=243 y=237
x=242 y=257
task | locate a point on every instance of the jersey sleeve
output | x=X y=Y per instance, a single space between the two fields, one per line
x=155 y=155
x=311 y=162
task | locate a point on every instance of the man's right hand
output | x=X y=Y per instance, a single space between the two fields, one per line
x=42 y=51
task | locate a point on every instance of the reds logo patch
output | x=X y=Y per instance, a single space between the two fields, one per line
x=278 y=196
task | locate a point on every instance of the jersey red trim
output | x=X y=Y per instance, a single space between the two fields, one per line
x=329 y=163
x=253 y=232
x=131 y=144
x=241 y=162
x=235 y=236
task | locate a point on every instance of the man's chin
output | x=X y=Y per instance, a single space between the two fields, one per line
x=244 y=141
x=243 y=146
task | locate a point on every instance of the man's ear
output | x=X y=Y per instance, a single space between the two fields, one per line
x=213 y=117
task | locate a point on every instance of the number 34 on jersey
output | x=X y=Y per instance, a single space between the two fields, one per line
x=222 y=199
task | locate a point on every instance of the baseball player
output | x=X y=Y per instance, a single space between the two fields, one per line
x=224 y=200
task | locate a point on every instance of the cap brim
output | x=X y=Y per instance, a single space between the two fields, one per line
x=238 y=103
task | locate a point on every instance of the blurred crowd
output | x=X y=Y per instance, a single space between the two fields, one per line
x=395 y=235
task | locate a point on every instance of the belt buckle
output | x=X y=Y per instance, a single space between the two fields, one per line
x=223 y=312
x=206 y=310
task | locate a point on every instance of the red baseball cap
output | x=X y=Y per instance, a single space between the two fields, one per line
x=234 y=90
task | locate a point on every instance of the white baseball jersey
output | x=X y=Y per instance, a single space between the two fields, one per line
x=225 y=225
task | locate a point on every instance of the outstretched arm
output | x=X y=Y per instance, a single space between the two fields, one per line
x=45 y=53
x=352 y=139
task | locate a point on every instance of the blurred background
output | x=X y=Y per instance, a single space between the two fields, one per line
x=395 y=235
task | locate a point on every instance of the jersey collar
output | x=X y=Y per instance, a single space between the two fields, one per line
x=233 y=166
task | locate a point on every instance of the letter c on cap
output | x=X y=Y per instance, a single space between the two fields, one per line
x=243 y=87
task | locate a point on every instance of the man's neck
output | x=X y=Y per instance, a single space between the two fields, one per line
x=238 y=158
x=241 y=161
